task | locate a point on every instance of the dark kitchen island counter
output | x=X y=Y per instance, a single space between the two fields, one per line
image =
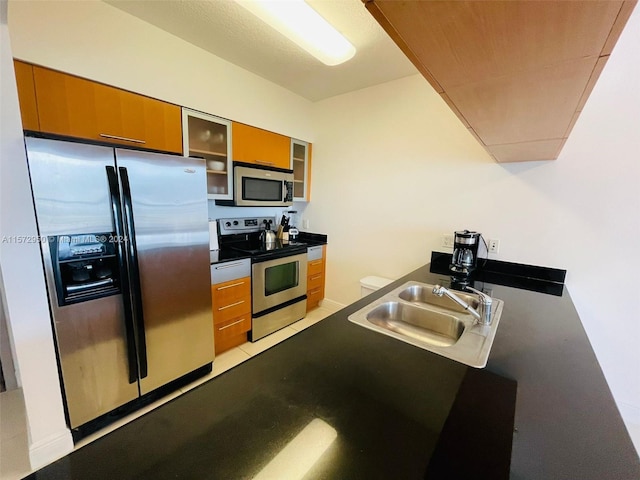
x=388 y=409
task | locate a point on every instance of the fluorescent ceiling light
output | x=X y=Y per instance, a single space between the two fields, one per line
x=304 y=26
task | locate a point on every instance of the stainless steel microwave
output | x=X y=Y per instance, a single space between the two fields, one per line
x=258 y=186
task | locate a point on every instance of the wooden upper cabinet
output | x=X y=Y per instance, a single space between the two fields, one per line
x=262 y=147
x=517 y=74
x=73 y=106
x=26 y=95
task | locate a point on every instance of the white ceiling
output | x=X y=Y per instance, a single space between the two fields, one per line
x=227 y=30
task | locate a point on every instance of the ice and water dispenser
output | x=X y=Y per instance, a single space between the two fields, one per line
x=85 y=266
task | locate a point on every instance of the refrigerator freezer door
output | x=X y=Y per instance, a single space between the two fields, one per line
x=71 y=195
x=170 y=219
x=70 y=188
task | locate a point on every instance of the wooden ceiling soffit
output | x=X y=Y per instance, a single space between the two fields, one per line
x=516 y=73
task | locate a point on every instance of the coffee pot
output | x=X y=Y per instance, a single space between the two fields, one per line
x=465 y=253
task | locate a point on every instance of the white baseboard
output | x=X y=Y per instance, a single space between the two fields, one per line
x=50 y=449
x=332 y=305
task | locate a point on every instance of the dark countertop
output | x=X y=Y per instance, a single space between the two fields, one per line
x=398 y=411
x=226 y=255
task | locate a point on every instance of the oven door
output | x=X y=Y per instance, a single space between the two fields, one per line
x=278 y=281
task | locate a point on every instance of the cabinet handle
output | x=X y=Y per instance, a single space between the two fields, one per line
x=229 y=286
x=222 y=267
x=264 y=162
x=232 y=324
x=232 y=305
x=316 y=277
x=317 y=262
x=317 y=290
x=115 y=137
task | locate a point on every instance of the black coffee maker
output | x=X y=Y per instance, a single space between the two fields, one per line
x=465 y=253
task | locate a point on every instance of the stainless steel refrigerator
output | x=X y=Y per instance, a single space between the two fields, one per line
x=125 y=244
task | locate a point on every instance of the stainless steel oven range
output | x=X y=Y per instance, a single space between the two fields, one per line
x=278 y=273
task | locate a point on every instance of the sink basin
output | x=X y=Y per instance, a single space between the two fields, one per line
x=413 y=314
x=424 y=294
x=436 y=328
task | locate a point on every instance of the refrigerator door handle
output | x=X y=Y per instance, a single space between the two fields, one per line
x=134 y=272
x=116 y=212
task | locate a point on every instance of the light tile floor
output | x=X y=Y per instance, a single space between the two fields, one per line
x=14 y=458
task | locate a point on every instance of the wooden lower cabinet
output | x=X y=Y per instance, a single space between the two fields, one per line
x=231 y=313
x=316 y=279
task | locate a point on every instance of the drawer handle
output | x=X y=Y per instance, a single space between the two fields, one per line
x=264 y=162
x=115 y=137
x=232 y=324
x=317 y=262
x=317 y=290
x=222 y=267
x=316 y=277
x=229 y=286
x=232 y=305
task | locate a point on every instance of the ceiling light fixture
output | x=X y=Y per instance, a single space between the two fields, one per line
x=304 y=26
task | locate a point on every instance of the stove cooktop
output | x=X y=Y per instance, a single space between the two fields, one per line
x=245 y=235
x=257 y=247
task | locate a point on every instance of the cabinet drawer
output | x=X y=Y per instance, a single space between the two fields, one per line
x=230 y=309
x=225 y=272
x=314 y=281
x=314 y=253
x=314 y=267
x=227 y=293
x=231 y=333
x=313 y=298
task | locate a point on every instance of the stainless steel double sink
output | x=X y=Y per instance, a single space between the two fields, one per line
x=413 y=314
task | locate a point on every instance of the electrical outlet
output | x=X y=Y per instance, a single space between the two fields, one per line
x=305 y=223
x=447 y=240
x=494 y=245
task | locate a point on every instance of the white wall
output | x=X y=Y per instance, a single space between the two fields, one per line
x=23 y=292
x=393 y=163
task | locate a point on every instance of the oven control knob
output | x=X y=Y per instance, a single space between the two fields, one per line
x=235 y=223
x=227 y=224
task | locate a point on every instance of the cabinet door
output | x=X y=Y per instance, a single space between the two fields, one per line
x=26 y=95
x=66 y=104
x=208 y=137
x=73 y=106
x=301 y=166
x=255 y=145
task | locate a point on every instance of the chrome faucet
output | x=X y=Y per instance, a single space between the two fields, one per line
x=482 y=315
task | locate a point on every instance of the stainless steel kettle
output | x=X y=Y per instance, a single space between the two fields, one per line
x=268 y=235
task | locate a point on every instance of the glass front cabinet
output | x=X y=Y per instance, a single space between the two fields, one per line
x=209 y=137
x=300 y=164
